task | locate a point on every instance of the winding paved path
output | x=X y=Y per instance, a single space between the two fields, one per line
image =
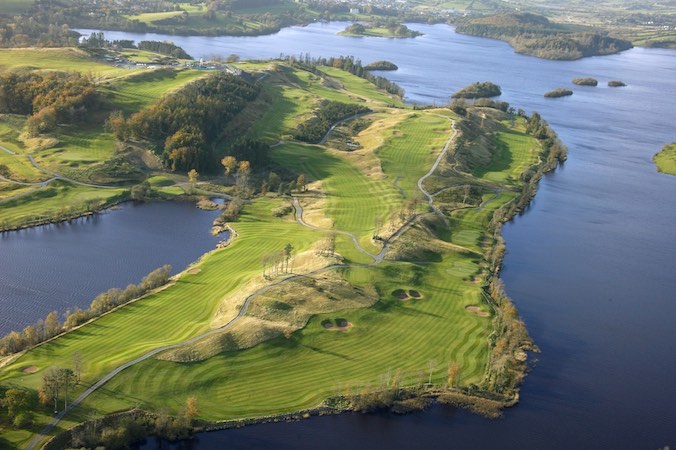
x=430 y=198
x=377 y=259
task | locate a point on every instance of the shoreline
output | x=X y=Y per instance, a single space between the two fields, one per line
x=481 y=404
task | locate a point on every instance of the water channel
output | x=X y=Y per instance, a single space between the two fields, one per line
x=590 y=265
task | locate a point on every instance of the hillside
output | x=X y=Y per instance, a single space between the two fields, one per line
x=375 y=259
x=536 y=35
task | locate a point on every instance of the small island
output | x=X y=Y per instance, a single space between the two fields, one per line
x=389 y=30
x=616 y=83
x=381 y=65
x=558 y=92
x=478 y=90
x=585 y=81
x=666 y=159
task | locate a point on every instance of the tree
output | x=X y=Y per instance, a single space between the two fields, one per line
x=192 y=178
x=229 y=163
x=66 y=379
x=431 y=365
x=50 y=387
x=288 y=249
x=301 y=183
x=273 y=181
x=140 y=192
x=16 y=401
x=191 y=410
x=453 y=372
x=52 y=325
x=77 y=366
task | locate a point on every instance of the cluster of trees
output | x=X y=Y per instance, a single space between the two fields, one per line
x=49 y=98
x=52 y=326
x=478 y=90
x=184 y=128
x=164 y=48
x=327 y=114
x=558 y=92
x=535 y=35
x=18 y=405
x=277 y=262
x=40 y=28
x=122 y=430
x=394 y=28
x=381 y=65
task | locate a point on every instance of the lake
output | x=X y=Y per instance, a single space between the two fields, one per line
x=65 y=265
x=590 y=264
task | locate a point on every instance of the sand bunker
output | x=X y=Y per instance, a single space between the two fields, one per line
x=336 y=325
x=30 y=369
x=194 y=270
x=477 y=311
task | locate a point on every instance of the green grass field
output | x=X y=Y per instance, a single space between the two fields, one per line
x=62 y=59
x=138 y=91
x=666 y=159
x=416 y=338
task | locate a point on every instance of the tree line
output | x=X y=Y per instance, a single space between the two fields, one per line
x=184 y=128
x=328 y=113
x=164 y=48
x=51 y=326
x=49 y=98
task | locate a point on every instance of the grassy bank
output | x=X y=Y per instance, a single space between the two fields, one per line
x=666 y=159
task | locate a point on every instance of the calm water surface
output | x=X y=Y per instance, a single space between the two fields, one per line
x=61 y=266
x=590 y=265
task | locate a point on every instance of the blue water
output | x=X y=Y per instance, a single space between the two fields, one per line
x=590 y=265
x=64 y=266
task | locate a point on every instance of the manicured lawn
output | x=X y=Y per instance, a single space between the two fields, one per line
x=413 y=338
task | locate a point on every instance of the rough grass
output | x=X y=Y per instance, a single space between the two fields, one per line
x=666 y=159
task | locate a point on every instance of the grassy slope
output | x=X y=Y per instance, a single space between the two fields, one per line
x=666 y=159
x=77 y=150
x=63 y=59
x=288 y=374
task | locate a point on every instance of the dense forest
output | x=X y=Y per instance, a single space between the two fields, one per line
x=49 y=98
x=535 y=35
x=184 y=128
